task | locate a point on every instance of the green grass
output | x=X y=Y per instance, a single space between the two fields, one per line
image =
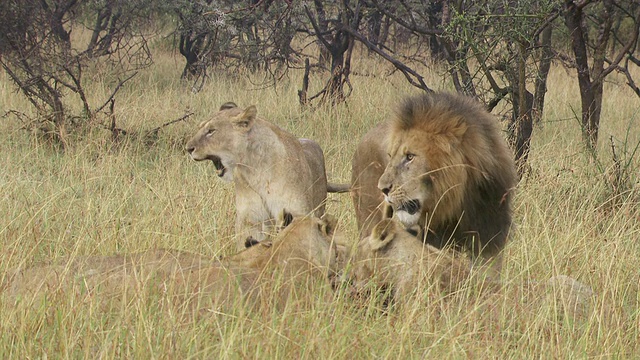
x=101 y=198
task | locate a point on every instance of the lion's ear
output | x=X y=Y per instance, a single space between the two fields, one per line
x=415 y=230
x=328 y=224
x=250 y=241
x=457 y=129
x=228 y=105
x=245 y=120
x=285 y=219
x=383 y=234
x=387 y=211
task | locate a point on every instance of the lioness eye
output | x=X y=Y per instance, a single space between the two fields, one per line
x=210 y=132
x=409 y=156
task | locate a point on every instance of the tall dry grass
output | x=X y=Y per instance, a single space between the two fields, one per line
x=102 y=198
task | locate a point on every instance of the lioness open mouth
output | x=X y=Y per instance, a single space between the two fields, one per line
x=217 y=162
x=411 y=206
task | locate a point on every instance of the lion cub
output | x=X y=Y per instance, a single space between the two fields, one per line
x=273 y=171
x=392 y=257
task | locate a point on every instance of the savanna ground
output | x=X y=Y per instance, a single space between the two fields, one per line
x=101 y=198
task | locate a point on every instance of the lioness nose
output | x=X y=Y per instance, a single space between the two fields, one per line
x=386 y=190
x=190 y=149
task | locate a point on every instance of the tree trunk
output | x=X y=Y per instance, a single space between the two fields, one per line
x=591 y=85
x=543 y=74
x=334 y=89
x=522 y=110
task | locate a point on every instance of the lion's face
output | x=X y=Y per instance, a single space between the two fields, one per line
x=385 y=255
x=425 y=177
x=394 y=258
x=223 y=139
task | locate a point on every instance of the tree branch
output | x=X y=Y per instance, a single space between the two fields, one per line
x=318 y=31
x=114 y=92
x=406 y=71
x=625 y=50
x=182 y=118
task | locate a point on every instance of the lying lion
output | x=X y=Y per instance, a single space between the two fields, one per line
x=273 y=171
x=304 y=251
x=393 y=258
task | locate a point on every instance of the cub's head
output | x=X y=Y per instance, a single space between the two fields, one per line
x=394 y=258
x=386 y=254
x=223 y=139
x=428 y=171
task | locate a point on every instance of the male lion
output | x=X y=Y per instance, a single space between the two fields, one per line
x=441 y=164
x=273 y=171
x=392 y=257
x=303 y=251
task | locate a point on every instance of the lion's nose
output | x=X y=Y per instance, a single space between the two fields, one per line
x=386 y=190
x=190 y=149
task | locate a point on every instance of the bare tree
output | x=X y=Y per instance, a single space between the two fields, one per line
x=582 y=16
x=37 y=51
x=331 y=22
x=235 y=35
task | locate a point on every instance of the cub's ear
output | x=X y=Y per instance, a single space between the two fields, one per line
x=328 y=224
x=383 y=234
x=228 y=105
x=285 y=219
x=387 y=211
x=246 y=119
x=415 y=230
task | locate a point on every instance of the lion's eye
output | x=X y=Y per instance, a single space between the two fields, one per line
x=409 y=157
x=210 y=132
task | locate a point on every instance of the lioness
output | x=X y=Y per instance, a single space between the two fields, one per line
x=304 y=250
x=393 y=258
x=442 y=164
x=273 y=172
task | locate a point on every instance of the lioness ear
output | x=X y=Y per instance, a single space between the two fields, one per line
x=250 y=241
x=245 y=120
x=383 y=234
x=328 y=224
x=228 y=105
